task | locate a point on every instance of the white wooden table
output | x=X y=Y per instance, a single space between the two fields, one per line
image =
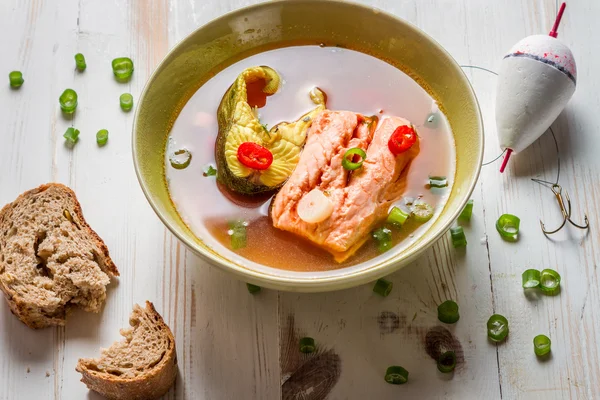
x=234 y=346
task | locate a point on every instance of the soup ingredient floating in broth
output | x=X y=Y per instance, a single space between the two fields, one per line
x=361 y=198
x=250 y=158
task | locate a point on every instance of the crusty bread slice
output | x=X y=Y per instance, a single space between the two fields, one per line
x=141 y=367
x=50 y=259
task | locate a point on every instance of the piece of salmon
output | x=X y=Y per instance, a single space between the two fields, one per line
x=361 y=198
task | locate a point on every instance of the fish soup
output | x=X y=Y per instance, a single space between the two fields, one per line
x=323 y=159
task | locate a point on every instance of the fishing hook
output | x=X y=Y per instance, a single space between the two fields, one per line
x=566 y=211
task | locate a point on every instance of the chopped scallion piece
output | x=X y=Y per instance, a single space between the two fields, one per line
x=397 y=217
x=252 y=288
x=383 y=237
x=383 y=287
x=126 y=101
x=541 y=345
x=16 y=79
x=438 y=181
x=448 y=312
x=457 y=234
x=497 y=327
x=80 y=62
x=466 y=213
x=347 y=161
x=71 y=136
x=550 y=282
x=531 y=278
x=68 y=101
x=180 y=159
x=396 y=375
x=508 y=227
x=307 y=345
x=122 y=68
x=421 y=211
x=237 y=234
x=210 y=171
x=447 y=362
x=102 y=137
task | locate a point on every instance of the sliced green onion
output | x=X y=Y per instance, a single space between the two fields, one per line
x=102 y=137
x=550 y=282
x=347 y=162
x=252 y=288
x=421 y=211
x=71 y=136
x=531 y=278
x=68 y=101
x=508 y=227
x=383 y=287
x=541 y=345
x=466 y=213
x=122 y=68
x=237 y=234
x=447 y=362
x=307 y=345
x=448 y=312
x=383 y=237
x=180 y=159
x=80 y=62
x=16 y=79
x=396 y=375
x=397 y=217
x=210 y=171
x=438 y=181
x=126 y=101
x=497 y=327
x=457 y=234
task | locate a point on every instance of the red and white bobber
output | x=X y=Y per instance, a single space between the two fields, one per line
x=535 y=82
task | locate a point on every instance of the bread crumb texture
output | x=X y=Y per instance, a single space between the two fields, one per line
x=142 y=366
x=50 y=259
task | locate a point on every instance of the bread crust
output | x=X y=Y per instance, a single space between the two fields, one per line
x=150 y=385
x=18 y=306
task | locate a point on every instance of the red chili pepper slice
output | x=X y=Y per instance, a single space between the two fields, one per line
x=254 y=156
x=402 y=139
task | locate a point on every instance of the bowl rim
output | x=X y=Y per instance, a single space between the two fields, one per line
x=310 y=284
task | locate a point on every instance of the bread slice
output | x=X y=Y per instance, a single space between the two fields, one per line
x=141 y=367
x=50 y=259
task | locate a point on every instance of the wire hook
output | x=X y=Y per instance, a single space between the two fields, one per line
x=565 y=211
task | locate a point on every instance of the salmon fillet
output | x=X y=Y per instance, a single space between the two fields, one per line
x=361 y=198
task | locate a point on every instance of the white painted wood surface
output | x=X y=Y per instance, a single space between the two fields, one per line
x=232 y=345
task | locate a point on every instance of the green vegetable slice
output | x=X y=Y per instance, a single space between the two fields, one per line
x=68 y=101
x=80 y=62
x=447 y=362
x=458 y=237
x=307 y=345
x=550 y=282
x=16 y=79
x=102 y=137
x=347 y=162
x=466 y=213
x=508 y=227
x=397 y=217
x=497 y=327
x=396 y=375
x=126 y=101
x=531 y=278
x=448 y=312
x=71 y=136
x=421 y=211
x=383 y=237
x=383 y=287
x=541 y=345
x=253 y=288
x=122 y=68
x=210 y=171
x=180 y=159
x=438 y=181
x=237 y=234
